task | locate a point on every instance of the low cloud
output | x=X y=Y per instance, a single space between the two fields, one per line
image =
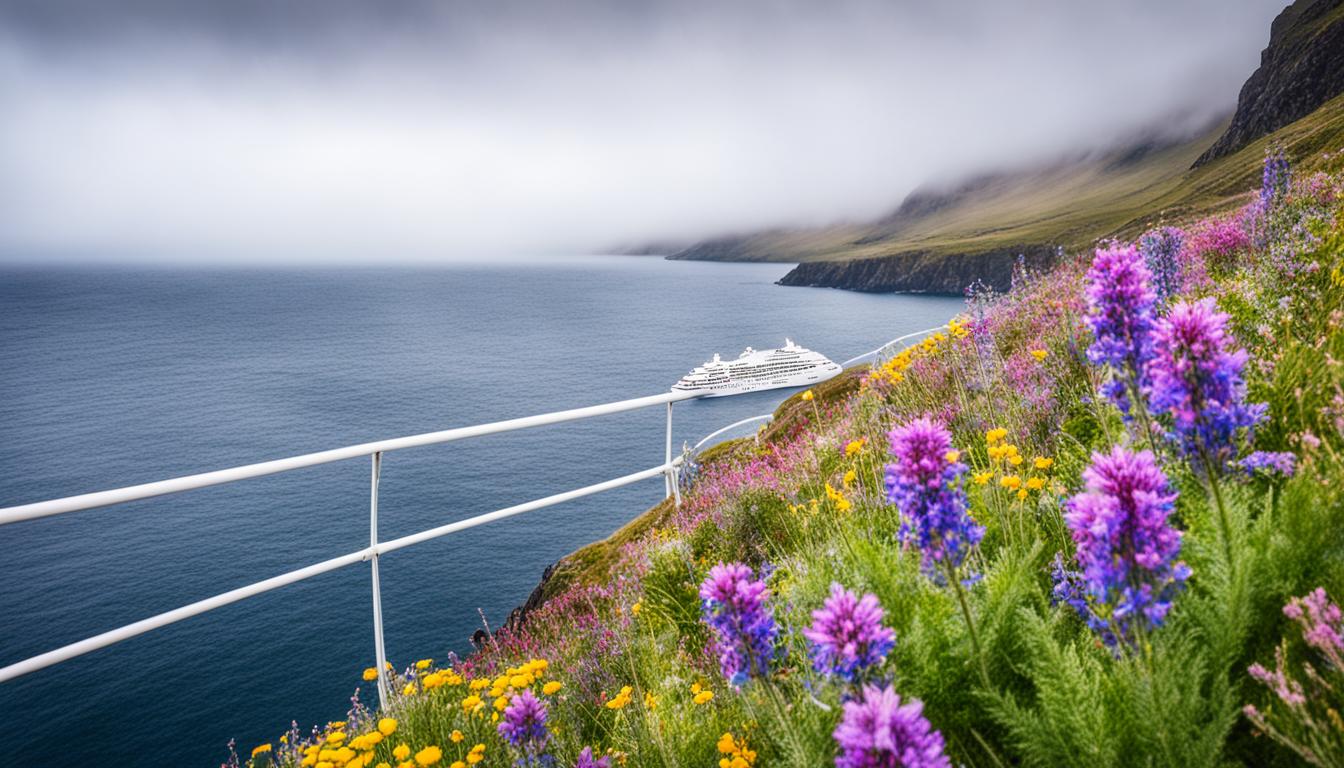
x=331 y=134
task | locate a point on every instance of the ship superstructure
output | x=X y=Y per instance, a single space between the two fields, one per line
x=788 y=366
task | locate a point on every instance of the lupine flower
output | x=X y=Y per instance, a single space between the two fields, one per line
x=847 y=634
x=1120 y=312
x=1161 y=250
x=586 y=760
x=524 y=726
x=878 y=731
x=926 y=485
x=1126 y=548
x=1269 y=464
x=735 y=608
x=1275 y=178
x=1194 y=378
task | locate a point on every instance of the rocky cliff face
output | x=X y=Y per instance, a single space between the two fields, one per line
x=1301 y=69
x=921 y=272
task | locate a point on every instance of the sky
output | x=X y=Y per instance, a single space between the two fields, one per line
x=422 y=131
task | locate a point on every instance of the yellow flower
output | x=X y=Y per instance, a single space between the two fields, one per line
x=409 y=690
x=636 y=608
x=1022 y=494
x=1039 y=354
x=621 y=699
x=336 y=738
x=841 y=503
x=854 y=446
x=432 y=680
x=995 y=435
x=501 y=703
x=519 y=681
x=553 y=686
x=476 y=755
x=981 y=478
x=1035 y=483
x=704 y=697
x=1015 y=460
x=850 y=477
x=371 y=673
x=1011 y=482
x=401 y=752
x=456 y=737
x=650 y=701
x=807 y=395
x=261 y=750
x=1043 y=462
x=387 y=726
x=952 y=456
x=428 y=756
x=423 y=663
x=458 y=764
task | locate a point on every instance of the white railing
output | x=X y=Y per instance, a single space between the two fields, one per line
x=669 y=470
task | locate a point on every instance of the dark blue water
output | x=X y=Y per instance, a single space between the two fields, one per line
x=113 y=377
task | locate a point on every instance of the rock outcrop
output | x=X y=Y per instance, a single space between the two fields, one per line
x=921 y=272
x=1301 y=69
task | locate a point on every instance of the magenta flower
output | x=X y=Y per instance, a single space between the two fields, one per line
x=1320 y=620
x=1194 y=379
x=925 y=484
x=877 y=731
x=1125 y=547
x=847 y=635
x=1120 y=302
x=524 y=727
x=735 y=608
x=586 y=760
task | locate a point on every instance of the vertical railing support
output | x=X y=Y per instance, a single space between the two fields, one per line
x=378 y=650
x=673 y=487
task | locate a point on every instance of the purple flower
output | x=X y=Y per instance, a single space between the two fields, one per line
x=586 y=760
x=877 y=731
x=1194 y=378
x=744 y=628
x=925 y=484
x=1275 y=178
x=1269 y=464
x=524 y=726
x=847 y=634
x=1161 y=249
x=1120 y=312
x=1320 y=620
x=1126 y=548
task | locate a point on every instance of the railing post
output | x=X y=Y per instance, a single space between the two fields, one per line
x=673 y=488
x=379 y=652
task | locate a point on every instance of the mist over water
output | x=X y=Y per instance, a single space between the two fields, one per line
x=112 y=377
x=422 y=131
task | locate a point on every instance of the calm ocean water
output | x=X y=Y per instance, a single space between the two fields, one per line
x=110 y=377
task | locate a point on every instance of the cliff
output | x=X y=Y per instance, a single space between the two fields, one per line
x=1301 y=69
x=921 y=272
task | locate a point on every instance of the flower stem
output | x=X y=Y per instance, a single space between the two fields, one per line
x=1217 y=495
x=970 y=625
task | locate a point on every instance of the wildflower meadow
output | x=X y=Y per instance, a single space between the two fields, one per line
x=1097 y=520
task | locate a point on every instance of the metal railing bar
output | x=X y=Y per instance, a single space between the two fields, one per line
x=111 y=637
x=721 y=430
x=874 y=353
x=471 y=522
x=22 y=512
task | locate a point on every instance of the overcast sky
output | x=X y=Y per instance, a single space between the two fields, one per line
x=377 y=132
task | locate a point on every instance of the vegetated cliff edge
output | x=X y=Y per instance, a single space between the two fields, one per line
x=943 y=238
x=1300 y=69
x=922 y=272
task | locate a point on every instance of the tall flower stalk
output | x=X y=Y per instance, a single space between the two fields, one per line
x=734 y=604
x=1120 y=301
x=847 y=637
x=1194 y=381
x=927 y=485
x=1126 y=548
x=879 y=731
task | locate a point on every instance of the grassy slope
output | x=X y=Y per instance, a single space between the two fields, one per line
x=1072 y=205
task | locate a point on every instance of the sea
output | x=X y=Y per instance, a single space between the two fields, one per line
x=111 y=376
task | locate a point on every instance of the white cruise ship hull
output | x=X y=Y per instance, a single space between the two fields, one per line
x=754 y=371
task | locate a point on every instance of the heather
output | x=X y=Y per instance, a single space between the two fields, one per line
x=1096 y=520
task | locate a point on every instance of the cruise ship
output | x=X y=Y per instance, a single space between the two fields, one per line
x=788 y=366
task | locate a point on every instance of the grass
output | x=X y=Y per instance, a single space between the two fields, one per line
x=623 y=659
x=1073 y=204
